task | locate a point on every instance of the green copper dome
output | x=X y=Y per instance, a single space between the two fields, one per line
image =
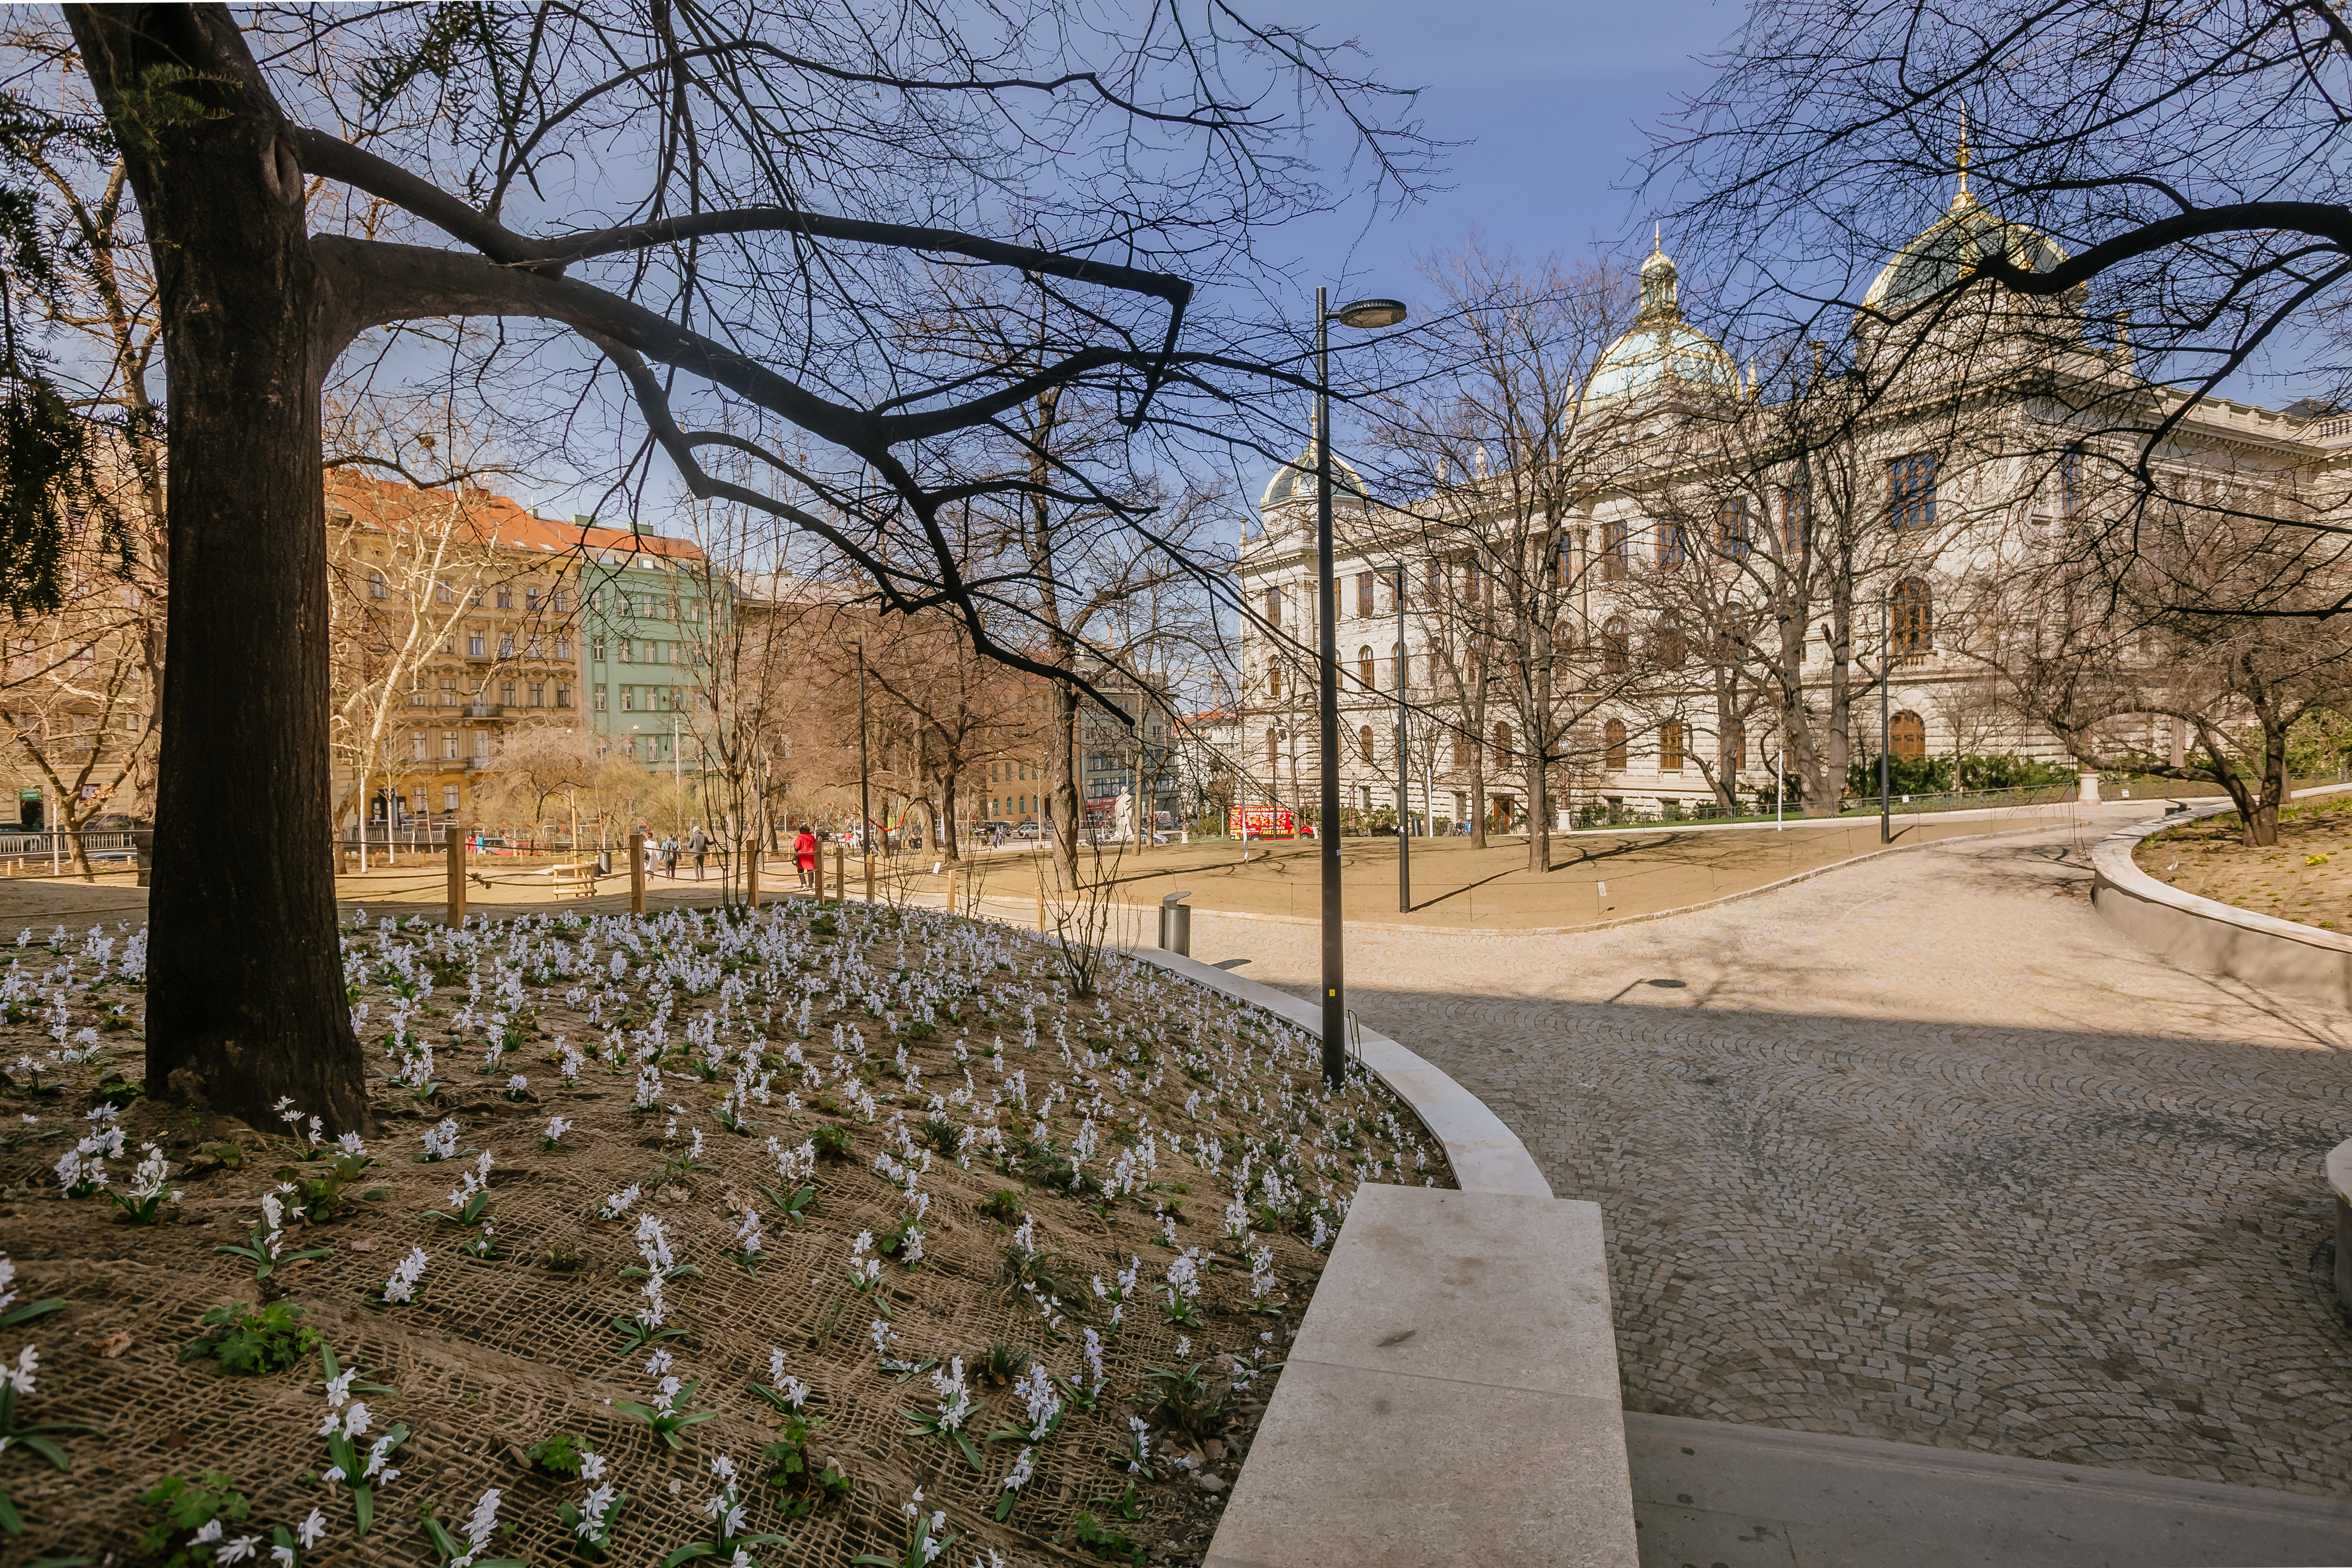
x=1949 y=250
x=1663 y=351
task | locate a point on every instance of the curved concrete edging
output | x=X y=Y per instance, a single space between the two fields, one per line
x=2205 y=933
x=1485 y=1155
x=2339 y=1184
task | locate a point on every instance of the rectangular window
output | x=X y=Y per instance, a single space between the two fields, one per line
x=476 y=647
x=1616 y=549
x=2070 y=482
x=416 y=798
x=530 y=600
x=562 y=601
x=449 y=745
x=505 y=597
x=563 y=650
x=1674 y=545
x=1670 y=748
x=628 y=699
x=1432 y=580
x=1911 y=491
x=449 y=798
x=599 y=689
x=1364 y=596
x=626 y=652
x=563 y=694
x=1731 y=529
x=506 y=646
x=537 y=694
x=1796 y=520
x=1273 y=609
x=416 y=746
x=506 y=693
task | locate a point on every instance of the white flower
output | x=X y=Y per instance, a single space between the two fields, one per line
x=401 y=1287
x=659 y=1365
x=282 y=1557
x=556 y=1128
x=339 y=1388
x=723 y=1468
x=592 y=1466
x=479 y=1528
x=1023 y=1467
x=20 y=1376
x=311 y=1530
x=237 y=1550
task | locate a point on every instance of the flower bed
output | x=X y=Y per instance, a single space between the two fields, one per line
x=820 y=1236
x=2305 y=877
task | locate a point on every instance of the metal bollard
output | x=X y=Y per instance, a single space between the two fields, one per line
x=1176 y=923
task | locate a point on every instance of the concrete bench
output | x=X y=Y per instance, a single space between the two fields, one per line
x=1452 y=1397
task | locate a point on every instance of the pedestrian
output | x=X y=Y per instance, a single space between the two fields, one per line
x=698 y=844
x=669 y=857
x=804 y=856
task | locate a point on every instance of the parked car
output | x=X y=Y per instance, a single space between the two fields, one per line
x=1029 y=829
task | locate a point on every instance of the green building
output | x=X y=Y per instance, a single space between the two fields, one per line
x=649 y=605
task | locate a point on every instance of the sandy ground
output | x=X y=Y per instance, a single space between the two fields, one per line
x=2306 y=875
x=1595 y=877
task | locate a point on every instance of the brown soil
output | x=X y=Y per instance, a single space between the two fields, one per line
x=494 y=1355
x=2305 y=877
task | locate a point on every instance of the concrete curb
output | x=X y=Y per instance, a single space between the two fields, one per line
x=1485 y=1155
x=2205 y=933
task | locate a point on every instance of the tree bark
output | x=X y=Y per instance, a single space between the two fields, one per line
x=245 y=980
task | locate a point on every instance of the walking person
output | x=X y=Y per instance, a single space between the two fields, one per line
x=698 y=844
x=804 y=856
x=669 y=857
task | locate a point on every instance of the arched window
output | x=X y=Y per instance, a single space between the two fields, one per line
x=1670 y=748
x=1612 y=744
x=1907 y=736
x=1364 y=669
x=1616 y=646
x=376 y=585
x=1364 y=743
x=1673 y=640
x=1914 y=618
x=1503 y=744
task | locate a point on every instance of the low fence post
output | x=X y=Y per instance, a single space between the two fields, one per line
x=869 y=879
x=456 y=841
x=752 y=870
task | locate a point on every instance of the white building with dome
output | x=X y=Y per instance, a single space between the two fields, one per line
x=1714 y=503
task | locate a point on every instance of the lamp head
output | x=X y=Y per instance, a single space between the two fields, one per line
x=1370 y=313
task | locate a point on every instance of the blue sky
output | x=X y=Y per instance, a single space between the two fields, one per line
x=1551 y=100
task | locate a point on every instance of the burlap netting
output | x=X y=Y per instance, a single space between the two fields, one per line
x=495 y=1355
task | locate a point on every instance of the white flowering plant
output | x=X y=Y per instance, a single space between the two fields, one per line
x=667 y=1415
x=34 y=1437
x=591 y=1520
x=481 y=1526
x=956 y=1406
x=150 y=1187
x=360 y=1469
x=925 y=1542
x=266 y=1248
x=725 y=1511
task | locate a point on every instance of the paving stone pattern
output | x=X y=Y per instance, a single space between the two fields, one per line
x=1919 y=1150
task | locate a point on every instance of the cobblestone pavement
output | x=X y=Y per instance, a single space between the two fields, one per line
x=1918 y=1150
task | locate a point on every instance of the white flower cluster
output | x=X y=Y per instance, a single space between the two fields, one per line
x=402 y=1286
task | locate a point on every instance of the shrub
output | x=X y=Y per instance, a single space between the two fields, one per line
x=833 y=1144
x=251 y=1340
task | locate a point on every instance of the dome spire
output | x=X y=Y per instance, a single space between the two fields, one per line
x=1659 y=295
x=1961 y=197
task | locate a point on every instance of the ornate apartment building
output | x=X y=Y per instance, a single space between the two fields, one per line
x=1731 y=568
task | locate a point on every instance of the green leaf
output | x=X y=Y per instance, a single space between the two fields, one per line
x=31 y=1310
x=969 y=1452
x=689 y=1553
x=363 y=1506
x=9 y=1519
x=45 y=1449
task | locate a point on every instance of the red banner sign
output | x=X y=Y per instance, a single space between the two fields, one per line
x=1261 y=822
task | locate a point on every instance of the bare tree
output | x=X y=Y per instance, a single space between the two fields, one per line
x=708 y=132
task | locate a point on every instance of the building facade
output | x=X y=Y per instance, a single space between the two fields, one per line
x=1724 y=581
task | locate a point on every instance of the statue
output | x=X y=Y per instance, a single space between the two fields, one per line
x=1123 y=817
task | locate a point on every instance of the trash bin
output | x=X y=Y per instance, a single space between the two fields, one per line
x=603 y=862
x=1176 y=923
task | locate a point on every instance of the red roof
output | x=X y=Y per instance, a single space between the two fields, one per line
x=496 y=520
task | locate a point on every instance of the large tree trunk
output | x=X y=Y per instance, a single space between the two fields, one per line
x=244 y=1001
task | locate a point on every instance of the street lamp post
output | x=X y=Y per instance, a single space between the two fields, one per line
x=865 y=777
x=1404 y=799
x=1885 y=679
x=1362 y=314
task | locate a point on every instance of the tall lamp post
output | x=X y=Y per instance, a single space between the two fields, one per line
x=1362 y=315
x=1885 y=679
x=1405 y=800
x=865 y=778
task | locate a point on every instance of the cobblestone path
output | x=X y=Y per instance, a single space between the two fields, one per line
x=1919 y=1150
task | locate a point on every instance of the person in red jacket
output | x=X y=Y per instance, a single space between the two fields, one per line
x=804 y=856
